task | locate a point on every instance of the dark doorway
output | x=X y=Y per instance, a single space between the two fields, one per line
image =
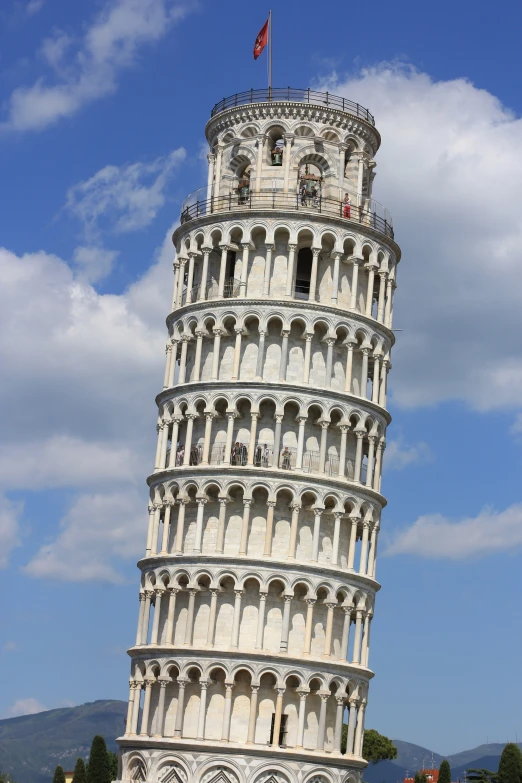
x=303 y=273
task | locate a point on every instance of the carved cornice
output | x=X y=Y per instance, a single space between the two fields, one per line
x=283 y=389
x=308 y=664
x=270 y=476
x=237 y=217
x=336 y=574
x=291 y=304
x=215 y=748
x=294 y=112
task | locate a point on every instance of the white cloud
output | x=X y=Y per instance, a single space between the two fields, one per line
x=126 y=198
x=434 y=536
x=98 y=531
x=33 y=6
x=80 y=393
x=109 y=45
x=450 y=171
x=54 y=48
x=399 y=455
x=95 y=263
x=65 y=461
x=28 y=706
x=9 y=529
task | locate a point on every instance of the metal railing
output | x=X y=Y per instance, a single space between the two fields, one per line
x=367 y=214
x=295 y=95
x=230 y=289
x=264 y=458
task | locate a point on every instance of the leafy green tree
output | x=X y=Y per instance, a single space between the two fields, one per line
x=481 y=776
x=444 y=772
x=113 y=763
x=510 y=765
x=5 y=777
x=99 y=768
x=420 y=777
x=59 y=775
x=376 y=747
x=80 y=773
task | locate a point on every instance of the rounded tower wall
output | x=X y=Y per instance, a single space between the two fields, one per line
x=258 y=580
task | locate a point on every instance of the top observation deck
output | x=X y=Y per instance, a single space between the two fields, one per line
x=294 y=95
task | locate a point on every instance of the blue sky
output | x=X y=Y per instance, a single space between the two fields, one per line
x=101 y=136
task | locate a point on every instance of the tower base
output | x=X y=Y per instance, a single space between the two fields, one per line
x=186 y=761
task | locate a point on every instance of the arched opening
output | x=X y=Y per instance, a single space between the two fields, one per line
x=303 y=273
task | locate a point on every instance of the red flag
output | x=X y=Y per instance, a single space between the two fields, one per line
x=261 y=40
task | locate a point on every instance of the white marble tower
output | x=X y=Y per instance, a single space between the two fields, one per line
x=258 y=581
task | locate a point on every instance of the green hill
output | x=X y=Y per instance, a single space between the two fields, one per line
x=33 y=745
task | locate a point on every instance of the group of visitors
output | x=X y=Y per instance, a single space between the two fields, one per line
x=238 y=455
x=310 y=197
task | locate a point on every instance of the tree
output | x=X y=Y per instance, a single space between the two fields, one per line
x=80 y=773
x=59 y=775
x=113 y=764
x=376 y=747
x=420 y=777
x=444 y=772
x=510 y=765
x=5 y=777
x=98 y=768
x=481 y=776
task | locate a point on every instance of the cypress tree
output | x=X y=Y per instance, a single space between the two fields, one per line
x=444 y=772
x=80 y=775
x=59 y=775
x=510 y=765
x=98 y=768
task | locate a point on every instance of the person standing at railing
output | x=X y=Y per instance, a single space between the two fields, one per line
x=243 y=454
x=347 y=205
x=180 y=455
x=285 y=458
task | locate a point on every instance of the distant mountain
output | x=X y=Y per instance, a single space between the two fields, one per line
x=413 y=757
x=33 y=745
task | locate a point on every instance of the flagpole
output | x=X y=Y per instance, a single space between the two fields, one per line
x=270 y=54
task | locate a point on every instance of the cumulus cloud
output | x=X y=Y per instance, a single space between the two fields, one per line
x=434 y=536
x=399 y=454
x=80 y=393
x=9 y=529
x=28 y=706
x=125 y=198
x=93 y=63
x=98 y=531
x=450 y=171
x=65 y=461
x=94 y=263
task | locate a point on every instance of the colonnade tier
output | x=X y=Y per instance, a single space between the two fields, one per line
x=231 y=702
x=266 y=344
x=257 y=611
x=286 y=522
x=286 y=262
x=267 y=429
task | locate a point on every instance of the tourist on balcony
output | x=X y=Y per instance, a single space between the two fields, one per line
x=180 y=455
x=285 y=458
x=242 y=454
x=234 y=454
x=346 y=205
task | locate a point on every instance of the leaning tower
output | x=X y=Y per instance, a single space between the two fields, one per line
x=258 y=580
